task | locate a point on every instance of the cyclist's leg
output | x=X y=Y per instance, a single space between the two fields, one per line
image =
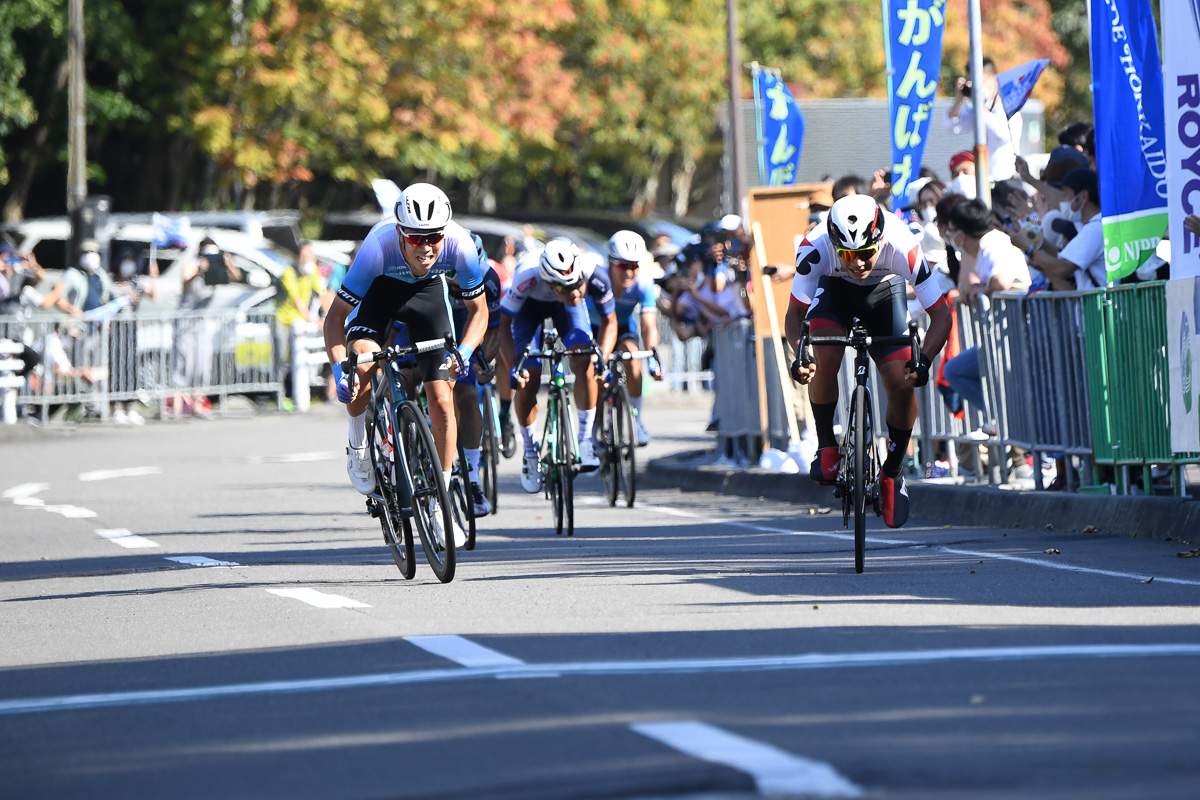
x=366 y=332
x=629 y=342
x=427 y=315
x=828 y=315
x=573 y=325
x=887 y=315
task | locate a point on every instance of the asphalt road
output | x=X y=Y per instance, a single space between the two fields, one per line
x=694 y=646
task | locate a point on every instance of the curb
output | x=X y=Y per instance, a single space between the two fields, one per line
x=1156 y=517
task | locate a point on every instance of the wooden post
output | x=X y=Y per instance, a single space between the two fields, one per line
x=776 y=333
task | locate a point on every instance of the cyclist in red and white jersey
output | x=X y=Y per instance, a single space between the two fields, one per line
x=858 y=268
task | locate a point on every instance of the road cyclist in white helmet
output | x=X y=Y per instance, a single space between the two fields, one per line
x=858 y=268
x=400 y=273
x=636 y=306
x=552 y=284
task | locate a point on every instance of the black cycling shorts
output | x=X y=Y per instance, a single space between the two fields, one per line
x=424 y=307
x=882 y=307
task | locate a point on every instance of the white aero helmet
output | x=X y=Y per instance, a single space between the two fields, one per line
x=627 y=246
x=856 y=222
x=560 y=263
x=423 y=207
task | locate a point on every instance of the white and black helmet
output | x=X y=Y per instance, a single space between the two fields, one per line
x=423 y=207
x=560 y=263
x=627 y=246
x=856 y=222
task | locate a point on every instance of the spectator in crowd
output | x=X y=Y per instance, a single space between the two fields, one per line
x=962 y=175
x=1080 y=264
x=332 y=282
x=942 y=211
x=1062 y=160
x=1075 y=136
x=191 y=346
x=1015 y=210
x=122 y=337
x=83 y=287
x=220 y=269
x=1000 y=140
x=299 y=300
x=507 y=260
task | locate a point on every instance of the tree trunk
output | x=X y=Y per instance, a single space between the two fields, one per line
x=681 y=185
x=643 y=202
x=22 y=172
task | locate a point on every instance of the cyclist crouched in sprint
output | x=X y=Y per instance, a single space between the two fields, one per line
x=400 y=273
x=636 y=301
x=857 y=268
x=552 y=283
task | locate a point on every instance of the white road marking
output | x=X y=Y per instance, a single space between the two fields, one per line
x=1035 y=562
x=599 y=668
x=125 y=538
x=294 y=458
x=71 y=512
x=107 y=474
x=25 y=490
x=462 y=651
x=202 y=561
x=775 y=771
x=319 y=599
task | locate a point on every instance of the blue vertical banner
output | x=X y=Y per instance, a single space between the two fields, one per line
x=913 y=29
x=782 y=129
x=1131 y=157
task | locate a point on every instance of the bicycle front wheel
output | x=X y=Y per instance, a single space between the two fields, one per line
x=431 y=502
x=565 y=460
x=625 y=446
x=489 y=452
x=461 y=502
x=862 y=439
x=385 y=449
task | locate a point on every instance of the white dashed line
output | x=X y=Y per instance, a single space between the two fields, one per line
x=108 y=474
x=125 y=538
x=202 y=561
x=24 y=491
x=462 y=651
x=319 y=599
x=294 y=458
x=775 y=771
x=602 y=668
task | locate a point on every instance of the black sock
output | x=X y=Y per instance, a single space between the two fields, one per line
x=897 y=450
x=505 y=405
x=823 y=420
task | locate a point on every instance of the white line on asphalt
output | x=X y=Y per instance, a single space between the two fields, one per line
x=294 y=458
x=774 y=771
x=125 y=538
x=462 y=651
x=1036 y=562
x=319 y=599
x=70 y=512
x=129 y=472
x=601 y=668
x=25 y=490
x=202 y=561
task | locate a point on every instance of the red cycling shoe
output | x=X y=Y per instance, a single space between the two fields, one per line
x=824 y=469
x=893 y=499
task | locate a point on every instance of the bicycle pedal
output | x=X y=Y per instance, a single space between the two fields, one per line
x=373 y=508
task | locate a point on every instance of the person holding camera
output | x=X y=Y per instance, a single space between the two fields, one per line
x=1002 y=152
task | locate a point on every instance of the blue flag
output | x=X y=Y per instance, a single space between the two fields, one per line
x=913 y=29
x=168 y=232
x=782 y=130
x=1017 y=84
x=1131 y=157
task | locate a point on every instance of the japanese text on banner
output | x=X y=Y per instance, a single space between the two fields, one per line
x=782 y=130
x=915 y=45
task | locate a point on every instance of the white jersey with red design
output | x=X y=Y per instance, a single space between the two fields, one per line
x=899 y=254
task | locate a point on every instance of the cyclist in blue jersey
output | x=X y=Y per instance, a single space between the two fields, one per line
x=400 y=273
x=636 y=300
x=552 y=283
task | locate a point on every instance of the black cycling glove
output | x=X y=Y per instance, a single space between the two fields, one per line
x=796 y=373
x=922 y=370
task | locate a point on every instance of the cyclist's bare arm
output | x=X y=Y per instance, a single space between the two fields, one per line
x=608 y=334
x=335 y=330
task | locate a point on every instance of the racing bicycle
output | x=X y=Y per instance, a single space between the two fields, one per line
x=616 y=439
x=857 y=482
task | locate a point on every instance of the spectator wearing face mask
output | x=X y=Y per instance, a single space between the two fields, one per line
x=122 y=342
x=84 y=287
x=1080 y=264
x=962 y=175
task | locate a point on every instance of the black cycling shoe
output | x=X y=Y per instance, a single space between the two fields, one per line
x=508 y=438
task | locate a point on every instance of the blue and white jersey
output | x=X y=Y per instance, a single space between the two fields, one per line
x=491 y=292
x=527 y=284
x=380 y=255
x=640 y=298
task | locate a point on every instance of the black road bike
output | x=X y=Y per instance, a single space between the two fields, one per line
x=858 y=475
x=616 y=434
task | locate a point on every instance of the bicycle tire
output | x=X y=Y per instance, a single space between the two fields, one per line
x=489 y=451
x=625 y=446
x=605 y=449
x=861 y=437
x=397 y=531
x=553 y=475
x=424 y=473
x=566 y=461
x=461 y=502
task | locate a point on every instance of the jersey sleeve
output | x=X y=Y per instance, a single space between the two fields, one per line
x=600 y=289
x=921 y=277
x=649 y=298
x=810 y=266
x=367 y=266
x=518 y=291
x=466 y=265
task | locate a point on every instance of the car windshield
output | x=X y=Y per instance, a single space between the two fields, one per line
x=278 y=256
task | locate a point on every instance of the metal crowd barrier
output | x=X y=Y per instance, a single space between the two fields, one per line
x=682 y=361
x=146 y=358
x=735 y=369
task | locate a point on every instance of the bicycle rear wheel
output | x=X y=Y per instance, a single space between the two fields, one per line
x=462 y=504
x=397 y=531
x=625 y=445
x=862 y=437
x=489 y=449
x=431 y=502
x=565 y=460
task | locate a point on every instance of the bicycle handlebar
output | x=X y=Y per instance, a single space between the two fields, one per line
x=859 y=338
x=398 y=351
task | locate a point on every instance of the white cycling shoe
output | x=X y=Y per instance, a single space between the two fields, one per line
x=479 y=501
x=531 y=474
x=588 y=460
x=358 y=467
x=643 y=436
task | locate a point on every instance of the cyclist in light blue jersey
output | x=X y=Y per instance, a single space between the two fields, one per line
x=636 y=298
x=400 y=272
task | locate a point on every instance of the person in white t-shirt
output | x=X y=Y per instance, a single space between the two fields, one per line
x=1080 y=264
x=1002 y=150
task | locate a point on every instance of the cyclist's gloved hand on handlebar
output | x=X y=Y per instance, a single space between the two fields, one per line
x=802 y=374
x=919 y=376
x=517 y=381
x=655 y=368
x=342 y=382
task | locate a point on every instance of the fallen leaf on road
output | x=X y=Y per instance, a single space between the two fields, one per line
x=1189 y=553
x=1149 y=580
x=1089 y=529
x=815 y=608
x=1053 y=551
